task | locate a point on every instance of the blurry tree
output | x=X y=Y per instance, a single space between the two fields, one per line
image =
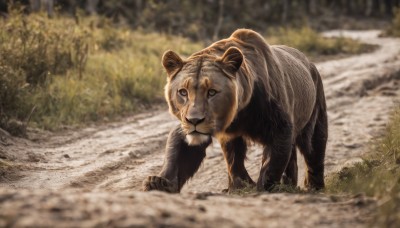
x=220 y=19
x=310 y=6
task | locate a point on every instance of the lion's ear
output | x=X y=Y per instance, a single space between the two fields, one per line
x=232 y=59
x=171 y=62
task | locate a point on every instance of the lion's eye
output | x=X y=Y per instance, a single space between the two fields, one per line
x=212 y=92
x=183 y=92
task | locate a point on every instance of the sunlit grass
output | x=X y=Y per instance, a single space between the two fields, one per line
x=314 y=45
x=378 y=175
x=75 y=71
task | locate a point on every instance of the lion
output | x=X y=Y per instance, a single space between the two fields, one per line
x=240 y=90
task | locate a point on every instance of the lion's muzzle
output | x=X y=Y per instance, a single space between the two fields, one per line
x=196 y=138
x=196 y=134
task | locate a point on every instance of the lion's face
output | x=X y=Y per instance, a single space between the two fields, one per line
x=202 y=93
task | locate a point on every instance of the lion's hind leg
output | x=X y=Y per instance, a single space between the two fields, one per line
x=312 y=144
x=290 y=176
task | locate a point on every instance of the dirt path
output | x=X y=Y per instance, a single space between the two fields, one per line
x=93 y=176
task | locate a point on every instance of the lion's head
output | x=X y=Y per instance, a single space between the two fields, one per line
x=203 y=91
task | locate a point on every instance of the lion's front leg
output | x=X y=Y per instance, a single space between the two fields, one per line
x=181 y=163
x=159 y=183
x=235 y=154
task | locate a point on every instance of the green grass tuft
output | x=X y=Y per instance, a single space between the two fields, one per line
x=378 y=175
x=279 y=188
x=283 y=188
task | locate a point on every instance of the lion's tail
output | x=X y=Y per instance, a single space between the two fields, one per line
x=321 y=124
x=320 y=102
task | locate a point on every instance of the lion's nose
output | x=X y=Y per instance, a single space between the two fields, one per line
x=195 y=121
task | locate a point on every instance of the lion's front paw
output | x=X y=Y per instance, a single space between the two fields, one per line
x=159 y=183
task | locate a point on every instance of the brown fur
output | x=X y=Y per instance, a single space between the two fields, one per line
x=237 y=89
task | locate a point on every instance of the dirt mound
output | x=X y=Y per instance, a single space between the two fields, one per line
x=157 y=209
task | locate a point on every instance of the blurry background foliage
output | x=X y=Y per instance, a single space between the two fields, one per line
x=394 y=28
x=69 y=62
x=210 y=19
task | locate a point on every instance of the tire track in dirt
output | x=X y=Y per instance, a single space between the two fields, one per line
x=90 y=161
x=91 y=176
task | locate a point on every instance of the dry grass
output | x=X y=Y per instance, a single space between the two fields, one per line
x=378 y=175
x=74 y=71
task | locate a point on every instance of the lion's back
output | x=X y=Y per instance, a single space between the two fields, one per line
x=300 y=84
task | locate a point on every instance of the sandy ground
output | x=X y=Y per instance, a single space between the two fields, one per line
x=93 y=176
